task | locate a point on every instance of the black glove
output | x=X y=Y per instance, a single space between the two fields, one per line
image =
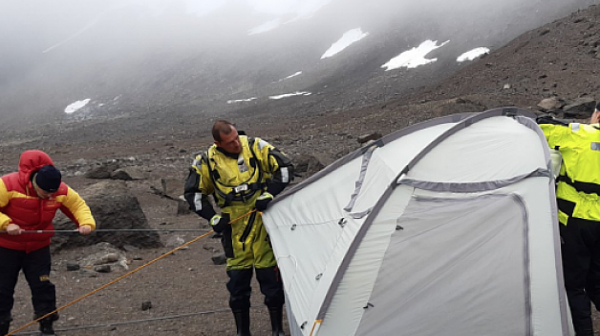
x=219 y=222
x=546 y=119
x=262 y=202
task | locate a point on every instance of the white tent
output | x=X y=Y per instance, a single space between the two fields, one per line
x=447 y=228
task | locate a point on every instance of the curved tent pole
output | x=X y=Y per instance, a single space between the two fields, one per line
x=464 y=121
x=379 y=143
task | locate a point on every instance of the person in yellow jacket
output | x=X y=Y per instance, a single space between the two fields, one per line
x=29 y=200
x=578 y=200
x=242 y=174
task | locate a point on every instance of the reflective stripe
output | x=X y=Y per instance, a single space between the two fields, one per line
x=285 y=174
x=361 y=178
x=198 y=201
x=595 y=146
x=575 y=127
x=262 y=144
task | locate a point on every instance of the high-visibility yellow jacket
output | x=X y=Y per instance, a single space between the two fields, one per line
x=578 y=188
x=236 y=181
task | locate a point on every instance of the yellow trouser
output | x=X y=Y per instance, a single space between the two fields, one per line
x=245 y=241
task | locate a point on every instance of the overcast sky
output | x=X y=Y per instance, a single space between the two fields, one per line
x=53 y=23
x=30 y=26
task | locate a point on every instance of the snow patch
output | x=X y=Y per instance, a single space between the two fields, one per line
x=240 y=100
x=297 y=93
x=74 y=107
x=414 y=57
x=349 y=37
x=292 y=76
x=472 y=54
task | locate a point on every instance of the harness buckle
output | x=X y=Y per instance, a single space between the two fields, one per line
x=241 y=188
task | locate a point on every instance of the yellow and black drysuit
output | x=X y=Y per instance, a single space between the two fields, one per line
x=236 y=181
x=578 y=200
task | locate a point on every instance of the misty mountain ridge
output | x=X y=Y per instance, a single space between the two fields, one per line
x=177 y=66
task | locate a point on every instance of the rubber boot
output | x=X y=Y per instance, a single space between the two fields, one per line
x=584 y=332
x=46 y=328
x=242 y=322
x=5 y=324
x=4 y=327
x=276 y=315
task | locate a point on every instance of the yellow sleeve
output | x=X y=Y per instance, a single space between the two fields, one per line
x=198 y=179
x=205 y=186
x=4 y=199
x=78 y=209
x=263 y=150
x=555 y=134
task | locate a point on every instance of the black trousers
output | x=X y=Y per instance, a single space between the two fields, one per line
x=581 y=265
x=36 y=267
x=239 y=288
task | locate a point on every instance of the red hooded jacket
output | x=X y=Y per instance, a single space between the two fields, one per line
x=19 y=204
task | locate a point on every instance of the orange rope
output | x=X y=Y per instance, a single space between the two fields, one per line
x=122 y=277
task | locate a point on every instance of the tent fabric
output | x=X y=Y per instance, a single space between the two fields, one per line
x=478 y=242
x=444 y=228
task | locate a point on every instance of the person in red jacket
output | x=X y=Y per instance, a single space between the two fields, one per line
x=29 y=200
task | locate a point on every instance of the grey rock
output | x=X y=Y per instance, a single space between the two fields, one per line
x=128 y=174
x=368 y=137
x=146 y=305
x=550 y=104
x=103 y=171
x=219 y=259
x=580 y=108
x=72 y=266
x=102 y=268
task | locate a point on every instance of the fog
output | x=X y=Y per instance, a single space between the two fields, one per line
x=53 y=53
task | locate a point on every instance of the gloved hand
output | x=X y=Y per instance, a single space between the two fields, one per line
x=219 y=222
x=262 y=202
x=546 y=119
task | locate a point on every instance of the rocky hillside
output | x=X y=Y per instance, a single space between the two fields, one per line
x=147 y=73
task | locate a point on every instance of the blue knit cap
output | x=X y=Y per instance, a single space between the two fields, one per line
x=48 y=178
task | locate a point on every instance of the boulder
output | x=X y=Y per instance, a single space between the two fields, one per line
x=368 y=137
x=128 y=174
x=307 y=164
x=458 y=105
x=103 y=171
x=580 y=108
x=115 y=208
x=550 y=104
